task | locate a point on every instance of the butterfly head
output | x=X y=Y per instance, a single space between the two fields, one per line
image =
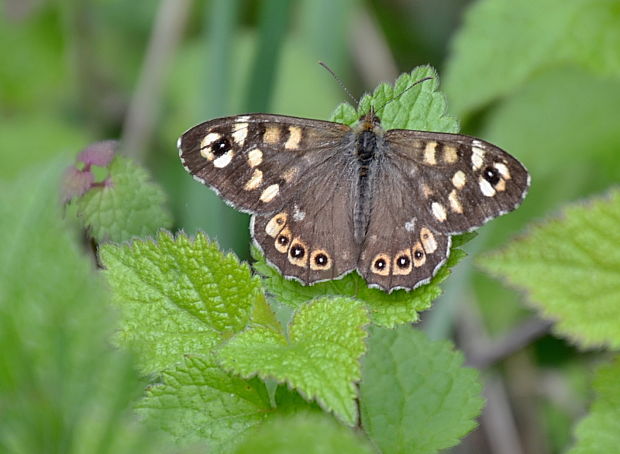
x=370 y=121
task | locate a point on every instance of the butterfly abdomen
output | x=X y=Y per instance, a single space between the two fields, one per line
x=367 y=160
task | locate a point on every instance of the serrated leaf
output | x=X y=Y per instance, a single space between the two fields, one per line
x=404 y=106
x=177 y=295
x=320 y=357
x=198 y=401
x=570 y=268
x=125 y=206
x=303 y=434
x=502 y=43
x=598 y=431
x=385 y=309
x=415 y=395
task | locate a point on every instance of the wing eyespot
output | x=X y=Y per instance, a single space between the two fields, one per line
x=320 y=260
x=221 y=146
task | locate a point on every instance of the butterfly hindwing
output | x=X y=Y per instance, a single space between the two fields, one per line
x=311 y=237
x=253 y=160
x=460 y=181
x=401 y=248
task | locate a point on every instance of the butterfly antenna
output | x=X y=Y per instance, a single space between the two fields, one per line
x=404 y=91
x=324 y=65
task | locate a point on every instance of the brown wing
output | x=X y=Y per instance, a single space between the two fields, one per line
x=252 y=160
x=402 y=248
x=461 y=182
x=311 y=237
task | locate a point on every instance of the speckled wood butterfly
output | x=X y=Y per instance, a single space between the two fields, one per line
x=327 y=199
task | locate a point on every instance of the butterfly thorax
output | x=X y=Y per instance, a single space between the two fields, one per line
x=368 y=133
x=369 y=136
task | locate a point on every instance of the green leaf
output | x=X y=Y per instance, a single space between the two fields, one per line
x=403 y=105
x=178 y=295
x=502 y=43
x=578 y=111
x=303 y=434
x=570 y=268
x=62 y=388
x=125 y=206
x=198 y=401
x=385 y=309
x=320 y=357
x=598 y=431
x=415 y=395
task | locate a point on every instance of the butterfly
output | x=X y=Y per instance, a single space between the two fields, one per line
x=327 y=199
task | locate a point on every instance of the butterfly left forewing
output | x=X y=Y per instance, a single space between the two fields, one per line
x=252 y=160
x=461 y=182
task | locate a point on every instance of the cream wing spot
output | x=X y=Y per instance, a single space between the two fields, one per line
x=503 y=170
x=439 y=211
x=298 y=215
x=240 y=132
x=205 y=145
x=208 y=140
x=486 y=188
x=450 y=155
x=429 y=153
x=276 y=224
x=223 y=160
x=269 y=193
x=255 y=157
x=255 y=180
x=294 y=138
x=272 y=134
x=477 y=157
x=290 y=174
x=459 y=179
x=455 y=203
x=428 y=240
x=501 y=185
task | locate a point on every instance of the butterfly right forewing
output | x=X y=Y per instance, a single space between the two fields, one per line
x=460 y=181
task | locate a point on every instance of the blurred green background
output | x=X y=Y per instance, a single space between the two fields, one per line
x=541 y=79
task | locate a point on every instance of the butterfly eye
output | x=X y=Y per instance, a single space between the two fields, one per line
x=418 y=254
x=282 y=240
x=380 y=264
x=220 y=146
x=403 y=261
x=491 y=175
